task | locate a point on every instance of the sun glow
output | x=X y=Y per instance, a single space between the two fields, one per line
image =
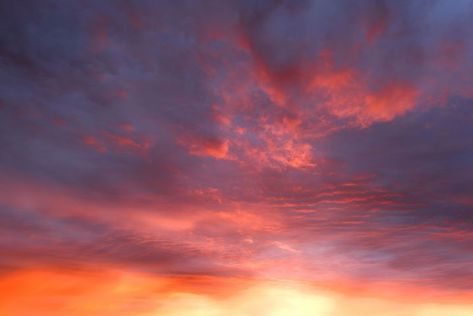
x=117 y=293
x=265 y=299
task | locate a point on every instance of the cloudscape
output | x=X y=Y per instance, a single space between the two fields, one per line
x=236 y=158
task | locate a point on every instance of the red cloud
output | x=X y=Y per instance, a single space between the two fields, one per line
x=206 y=146
x=94 y=143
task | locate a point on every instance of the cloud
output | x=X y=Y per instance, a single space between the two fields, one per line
x=316 y=140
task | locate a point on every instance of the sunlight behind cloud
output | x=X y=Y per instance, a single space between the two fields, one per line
x=133 y=294
x=266 y=299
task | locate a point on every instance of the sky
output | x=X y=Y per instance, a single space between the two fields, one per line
x=236 y=158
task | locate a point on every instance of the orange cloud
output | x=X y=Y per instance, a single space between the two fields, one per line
x=128 y=142
x=345 y=93
x=206 y=146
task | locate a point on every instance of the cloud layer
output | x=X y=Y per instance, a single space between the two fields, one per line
x=314 y=140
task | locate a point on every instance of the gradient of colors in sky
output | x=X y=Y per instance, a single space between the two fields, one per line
x=236 y=158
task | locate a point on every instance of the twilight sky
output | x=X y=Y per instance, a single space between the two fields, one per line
x=242 y=158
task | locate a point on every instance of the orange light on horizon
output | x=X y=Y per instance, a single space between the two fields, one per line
x=56 y=292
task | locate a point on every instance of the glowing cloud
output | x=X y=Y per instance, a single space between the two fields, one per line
x=236 y=158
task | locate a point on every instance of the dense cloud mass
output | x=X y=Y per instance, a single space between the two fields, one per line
x=328 y=141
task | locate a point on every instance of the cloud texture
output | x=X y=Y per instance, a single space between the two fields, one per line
x=323 y=141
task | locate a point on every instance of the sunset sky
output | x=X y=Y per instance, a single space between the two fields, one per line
x=236 y=158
